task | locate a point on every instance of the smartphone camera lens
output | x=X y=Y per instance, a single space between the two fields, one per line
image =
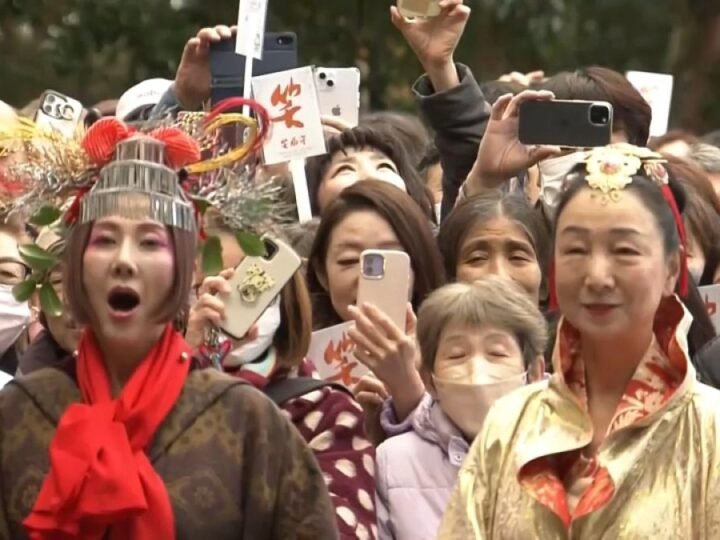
x=374 y=265
x=599 y=115
x=284 y=40
x=322 y=76
x=331 y=83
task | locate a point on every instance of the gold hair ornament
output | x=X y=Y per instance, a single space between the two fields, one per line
x=610 y=169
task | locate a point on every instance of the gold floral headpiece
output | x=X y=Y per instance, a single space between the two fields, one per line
x=611 y=168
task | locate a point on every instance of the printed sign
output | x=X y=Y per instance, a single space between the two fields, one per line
x=331 y=350
x=657 y=89
x=251 y=28
x=290 y=98
x=711 y=297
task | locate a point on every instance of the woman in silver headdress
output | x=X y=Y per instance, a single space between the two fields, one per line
x=129 y=438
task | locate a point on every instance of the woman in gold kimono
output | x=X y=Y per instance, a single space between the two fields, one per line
x=622 y=441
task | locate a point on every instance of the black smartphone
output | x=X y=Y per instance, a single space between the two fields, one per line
x=568 y=124
x=227 y=69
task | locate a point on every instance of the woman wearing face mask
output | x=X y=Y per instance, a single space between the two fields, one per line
x=490 y=234
x=14 y=315
x=131 y=437
x=611 y=444
x=478 y=342
x=364 y=153
x=326 y=416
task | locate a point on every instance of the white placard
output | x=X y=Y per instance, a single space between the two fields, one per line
x=331 y=350
x=251 y=28
x=302 y=195
x=711 y=296
x=5 y=378
x=296 y=131
x=657 y=89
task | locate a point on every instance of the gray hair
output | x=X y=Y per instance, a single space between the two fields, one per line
x=493 y=300
x=706 y=156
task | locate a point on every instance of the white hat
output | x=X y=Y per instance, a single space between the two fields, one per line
x=141 y=95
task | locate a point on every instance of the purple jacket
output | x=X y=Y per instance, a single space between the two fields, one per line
x=416 y=473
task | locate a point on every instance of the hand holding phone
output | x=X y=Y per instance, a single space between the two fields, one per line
x=256 y=283
x=501 y=155
x=227 y=69
x=567 y=124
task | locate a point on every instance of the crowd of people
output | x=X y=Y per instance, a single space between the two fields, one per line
x=555 y=377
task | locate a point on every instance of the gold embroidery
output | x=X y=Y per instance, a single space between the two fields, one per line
x=611 y=168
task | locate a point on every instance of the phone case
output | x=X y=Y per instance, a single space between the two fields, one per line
x=563 y=123
x=256 y=283
x=280 y=53
x=419 y=8
x=391 y=292
x=59 y=113
x=339 y=93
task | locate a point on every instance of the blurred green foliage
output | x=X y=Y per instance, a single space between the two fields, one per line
x=94 y=49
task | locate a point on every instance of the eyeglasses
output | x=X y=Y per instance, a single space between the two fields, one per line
x=13 y=271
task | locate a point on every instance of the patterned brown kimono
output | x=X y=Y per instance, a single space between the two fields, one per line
x=233 y=466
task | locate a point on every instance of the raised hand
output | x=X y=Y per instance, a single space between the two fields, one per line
x=435 y=39
x=192 y=79
x=501 y=155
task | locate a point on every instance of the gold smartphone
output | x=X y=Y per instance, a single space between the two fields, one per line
x=385 y=282
x=419 y=8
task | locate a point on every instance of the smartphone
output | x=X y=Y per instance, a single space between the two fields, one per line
x=59 y=113
x=568 y=124
x=385 y=283
x=255 y=285
x=339 y=93
x=419 y=8
x=227 y=69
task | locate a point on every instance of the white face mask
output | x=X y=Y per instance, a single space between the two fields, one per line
x=467 y=405
x=267 y=326
x=696 y=273
x=552 y=173
x=14 y=317
x=438 y=211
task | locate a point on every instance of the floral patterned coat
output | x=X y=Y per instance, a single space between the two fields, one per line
x=233 y=466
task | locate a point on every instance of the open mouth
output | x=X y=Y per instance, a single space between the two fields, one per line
x=123 y=300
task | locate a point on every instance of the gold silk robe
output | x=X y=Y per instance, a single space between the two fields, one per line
x=656 y=475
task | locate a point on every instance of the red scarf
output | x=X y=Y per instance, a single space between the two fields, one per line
x=100 y=477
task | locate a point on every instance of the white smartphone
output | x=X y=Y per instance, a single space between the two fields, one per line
x=419 y=8
x=255 y=285
x=339 y=93
x=385 y=282
x=59 y=113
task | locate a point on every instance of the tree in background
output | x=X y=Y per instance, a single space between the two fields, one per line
x=94 y=49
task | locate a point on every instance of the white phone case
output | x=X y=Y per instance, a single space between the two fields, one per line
x=256 y=283
x=59 y=113
x=419 y=8
x=339 y=93
x=391 y=292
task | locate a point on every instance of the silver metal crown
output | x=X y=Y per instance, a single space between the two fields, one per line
x=139 y=185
